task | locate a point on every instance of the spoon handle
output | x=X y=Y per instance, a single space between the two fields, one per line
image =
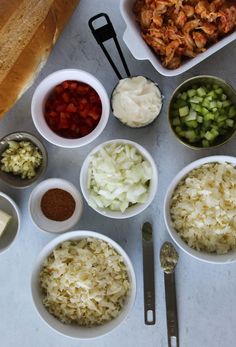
x=171 y=310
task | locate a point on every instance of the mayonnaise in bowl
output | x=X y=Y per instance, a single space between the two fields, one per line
x=136 y=101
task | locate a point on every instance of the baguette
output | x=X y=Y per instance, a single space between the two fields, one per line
x=28 y=32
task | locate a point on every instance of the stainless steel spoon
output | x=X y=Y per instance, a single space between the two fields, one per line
x=169 y=258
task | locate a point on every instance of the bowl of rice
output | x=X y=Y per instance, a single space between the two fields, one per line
x=200 y=209
x=83 y=284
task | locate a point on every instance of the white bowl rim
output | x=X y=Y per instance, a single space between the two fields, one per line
x=211 y=258
x=16 y=208
x=42 y=90
x=77 y=235
x=154 y=180
x=61 y=183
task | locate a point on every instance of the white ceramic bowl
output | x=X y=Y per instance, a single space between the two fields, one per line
x=200 y=255
x=37 y=216
x=72 y=330
x=12 y=230
x=141 y=51
x=135 y=209
x=43 y=90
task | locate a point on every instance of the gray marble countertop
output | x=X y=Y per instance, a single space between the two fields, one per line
x=205 y=293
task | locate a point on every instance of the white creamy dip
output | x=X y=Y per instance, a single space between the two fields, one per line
x=136 y=101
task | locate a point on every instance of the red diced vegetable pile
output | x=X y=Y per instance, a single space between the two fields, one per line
x=73 y=109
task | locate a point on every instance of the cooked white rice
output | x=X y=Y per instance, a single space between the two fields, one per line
x=203 y=208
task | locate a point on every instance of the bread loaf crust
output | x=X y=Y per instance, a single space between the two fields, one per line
x=18 y=71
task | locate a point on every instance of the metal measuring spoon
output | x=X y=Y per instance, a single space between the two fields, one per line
x=169 y=258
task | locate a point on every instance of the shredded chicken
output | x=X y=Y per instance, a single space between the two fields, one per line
x=183 y=28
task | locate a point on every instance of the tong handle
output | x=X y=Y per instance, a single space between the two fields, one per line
x=171 y=310
x=105 y=33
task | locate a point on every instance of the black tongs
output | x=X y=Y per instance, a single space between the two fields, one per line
x=105 y=33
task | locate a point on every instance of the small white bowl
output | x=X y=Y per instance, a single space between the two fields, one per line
x=200 y=255
x=76 y=331
x=12 y=230
x=37 y=216
x=135 y=209
x=41 y=94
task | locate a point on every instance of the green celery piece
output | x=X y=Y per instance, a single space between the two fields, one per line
x=226 y=103
x=184 y=96
x=230 y=122
x=183 y=111
x=212 y=94
x=190 y=134
x=205 y=143
x=201 y=91
x=176 y=121
x=223 y=97
x=209 y=116
x=192 y=124
x=204 y=110
x=221 y=118
x=212 y=104
x=191 y=116
x=191 y=93
x=219 y=104
x=196 y=99
x=232 y=111
x=219 y=91
x=209 y=136
x=199 y=119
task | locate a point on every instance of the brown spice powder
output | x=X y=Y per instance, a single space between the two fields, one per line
x=57 y=204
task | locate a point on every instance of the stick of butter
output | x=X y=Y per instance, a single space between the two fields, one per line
x=4 y=220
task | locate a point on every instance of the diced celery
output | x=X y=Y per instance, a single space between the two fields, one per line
x=230 y=122
x=184 y=111
x=211 y=95
x=191 y=116
x=209 y=116
x=204 y=110
x=176 y=121
x=192 y=124
x=201 y=91
x=196 y=99
x=205 y=143
x=219 y=104
x=219 y=91
x=232 y=111
x=199 y=119
x=184 y=96
x=190 y=134
x=191 y=93
x=212 y=104
x=226 y=103
x=209 y=136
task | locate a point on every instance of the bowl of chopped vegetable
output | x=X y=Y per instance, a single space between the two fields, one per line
x=94 y=291
x=202 y=112
x=119 y=179
x=199 y=209
x=70 y=108
x=23 y=159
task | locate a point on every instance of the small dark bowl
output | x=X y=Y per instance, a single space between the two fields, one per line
x=15 y=180
x=197 y=80
x=142 y=126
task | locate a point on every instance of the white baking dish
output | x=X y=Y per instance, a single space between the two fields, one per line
x=141 y=51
